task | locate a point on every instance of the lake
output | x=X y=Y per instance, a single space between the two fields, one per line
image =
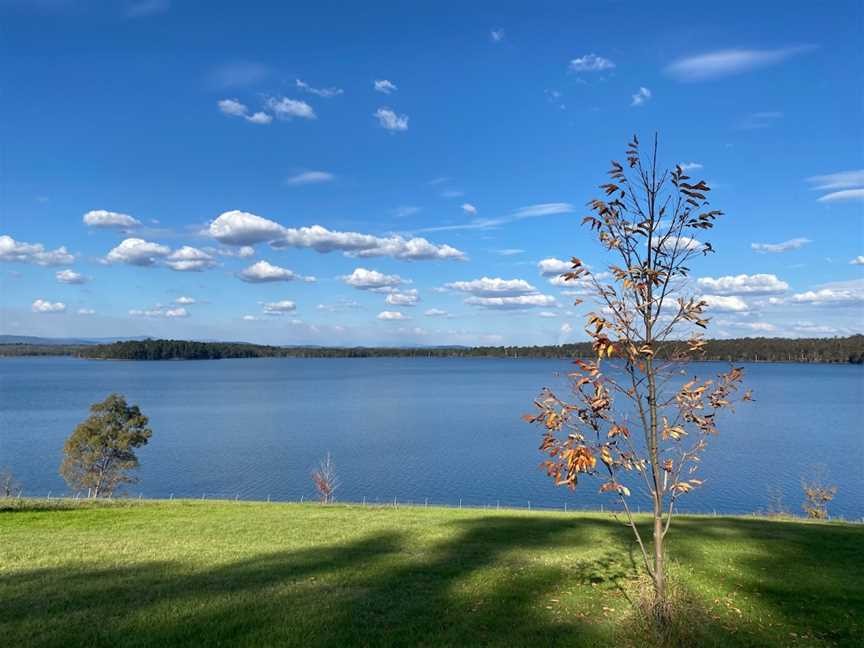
x=411 y=429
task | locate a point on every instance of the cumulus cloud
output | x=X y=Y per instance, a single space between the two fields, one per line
x=44 y=306
x=468 y=208
x=552 y=267
x=435 y=312
x=35 y=253
x=725 y=303
x=309 y=177
x=86 y=311
x=690 y=166
x=743 y=284
x=390 y=121
x=101 y=218
x=641 y=96
x=679 y=243
x=393 y=316
x=285 y=108
x=234 y=108
x=70 y=277
x=364 y=279
x=547 y=314
x=510 y=251
x=859 y=260
x=185 y=301
x=591 y=63
x=493 y=287
x=403 y=298
x=265 y=272
x=137 y=252
x=339 y=306
x=722 y=63
x=385 y=86
x=519 y=302
x=280 y=307
x=190 y=259
x=325 y=93
x=242 y=228
x=785 y=246
x=160 y=312
x=830 y=297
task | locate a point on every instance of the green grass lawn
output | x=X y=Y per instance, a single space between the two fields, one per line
x=258 y=574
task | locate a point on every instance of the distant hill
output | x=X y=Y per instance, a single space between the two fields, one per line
x=48 y=341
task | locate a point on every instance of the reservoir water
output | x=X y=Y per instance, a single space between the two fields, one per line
x=412 y=429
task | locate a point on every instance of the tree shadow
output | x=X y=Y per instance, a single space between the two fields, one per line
x=484 y=583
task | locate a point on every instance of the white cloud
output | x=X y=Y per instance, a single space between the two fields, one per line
x=497 y=35
x=468 y=208
x=309 y=177
x=385 y=86
x=86 y=311
x=785 y=246
x=285 y=108
x=392 y=316
x=845 y=194
x=280 y=307
x=493 y=287
x=160 y=312
x=721 y=63
x=364 y=279
x=190 y=259
x=185 y=301
x=725 y=303
x=12 y=250
x=242 y=228
x=743 y=284
x=390 y=121
x=859 y=260
x=531 y=211
x=681 y=243
x=137 y=252
x=435 y=312
x=519 y=302
x=107 y=219
x=405 y=210
x=70 y=277
x=840 y=180
x=340 y=306
x=365 y=245
x=591 y=63
x=548 y=314
x=403 y=298
x=690 y=166
x=642 y=95
x=830 y=297
x=510 y=251
x=43 y=306
x=234 y=108
x=552 y=267
x=265 y=272
x=326 y=93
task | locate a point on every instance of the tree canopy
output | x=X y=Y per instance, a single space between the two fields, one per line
x=100 y=453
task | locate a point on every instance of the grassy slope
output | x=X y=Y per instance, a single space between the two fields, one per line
x=253 y=574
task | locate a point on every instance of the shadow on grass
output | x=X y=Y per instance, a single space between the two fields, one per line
x=382 y=590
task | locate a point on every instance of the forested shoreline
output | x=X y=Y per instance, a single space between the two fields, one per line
x=844 y=350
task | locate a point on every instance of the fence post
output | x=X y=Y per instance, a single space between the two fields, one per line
x=460 y=502
x=394 y=502
x=301 y=499
x=268 y=498
x=236 y=497
x=529 y=505
x=426 y=503
x=565 y=507
x=364 y=500
x=171 y=497
x=202 y=495
x=49 y=496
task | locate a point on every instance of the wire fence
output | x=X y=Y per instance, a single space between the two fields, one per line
x=393 y=503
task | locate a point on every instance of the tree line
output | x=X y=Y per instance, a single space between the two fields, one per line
x=808 y=350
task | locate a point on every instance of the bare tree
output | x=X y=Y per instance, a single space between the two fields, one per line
x=8 y=484
x=635 y=421
x=817 y=493
x=326 y=480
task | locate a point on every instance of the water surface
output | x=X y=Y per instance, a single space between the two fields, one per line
x=438 y=428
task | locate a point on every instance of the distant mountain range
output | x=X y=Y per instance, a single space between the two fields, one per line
x=45 y=341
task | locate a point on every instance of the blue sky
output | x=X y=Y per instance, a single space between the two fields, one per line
x=395 y=173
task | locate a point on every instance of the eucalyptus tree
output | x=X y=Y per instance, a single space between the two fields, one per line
x=627 y=419
x=100 y=452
